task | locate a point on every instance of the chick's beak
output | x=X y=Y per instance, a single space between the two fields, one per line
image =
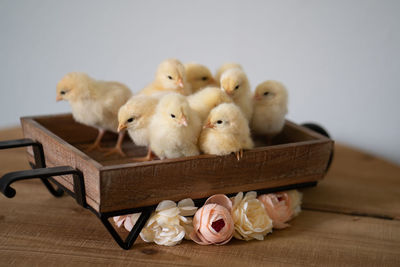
x=229 y=92
x=257 y=97
x=213 y=81
x=58 y=98
x=180 y=83
x=183 y=121
x=121 y=126
x=208 y=125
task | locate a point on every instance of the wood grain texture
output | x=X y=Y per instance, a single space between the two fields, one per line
x=358 y=183
x=60 y=153
x=297 y=156
x=200 y=177
x=37 y=229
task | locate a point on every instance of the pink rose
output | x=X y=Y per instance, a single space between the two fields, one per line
x=127 y=220
x=281 y=207
x=213 y=223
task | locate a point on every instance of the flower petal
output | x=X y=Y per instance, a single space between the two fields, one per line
x=220 y=199
x=187 y=211
x=119 y=220
x=187 y=202
x=165 y=204
x=237 y=199
x=171 y=212
x=128 y=224
x=251 y=195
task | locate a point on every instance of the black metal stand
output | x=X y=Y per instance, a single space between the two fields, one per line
x=40 y=161
x=45 y=174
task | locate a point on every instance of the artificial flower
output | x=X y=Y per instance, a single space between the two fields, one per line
x=213 y=223
x=168 y=225
x=128 y=220
x=250 y=218
x=295 y=201
x=281 y=207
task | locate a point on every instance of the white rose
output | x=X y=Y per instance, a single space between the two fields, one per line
x=168 y=225
x=250 y=218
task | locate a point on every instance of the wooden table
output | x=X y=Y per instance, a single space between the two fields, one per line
x=351 y=218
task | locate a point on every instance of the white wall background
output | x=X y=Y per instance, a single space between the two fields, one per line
x=339 y=59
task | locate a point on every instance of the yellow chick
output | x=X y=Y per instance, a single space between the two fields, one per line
x=270 y=108
x=174 y=128
x=198 y=76
x=226 y=131
x=170 y=77
x=235 y=83
x=94 y=103
x=135 y=116
x=206 y=99
x=223 y=68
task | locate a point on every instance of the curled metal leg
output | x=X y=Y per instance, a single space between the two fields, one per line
x=44 y=173
x=39 y=160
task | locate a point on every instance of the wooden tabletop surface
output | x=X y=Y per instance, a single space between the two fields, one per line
x=351 y=218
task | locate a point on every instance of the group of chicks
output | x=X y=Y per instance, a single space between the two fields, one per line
x=183 y=112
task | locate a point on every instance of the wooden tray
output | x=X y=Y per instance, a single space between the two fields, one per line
x=298 y=155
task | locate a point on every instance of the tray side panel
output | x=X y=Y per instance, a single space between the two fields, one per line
x=137 y=186
x=59 y=153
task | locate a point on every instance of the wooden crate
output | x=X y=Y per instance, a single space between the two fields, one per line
x=297 y=155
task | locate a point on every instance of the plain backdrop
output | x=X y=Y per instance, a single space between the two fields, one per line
x=340 y=60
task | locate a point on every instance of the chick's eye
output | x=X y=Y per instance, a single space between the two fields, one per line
x=237 y=87
x=204 y=78
x=219 y=122
x=172 y=115
x=130 y=119
x=169 y=77
x=62 y=92
x=266 y=93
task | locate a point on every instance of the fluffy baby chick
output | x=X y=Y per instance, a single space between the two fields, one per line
x=235 y=83
x=225 y=67
x=174 y=128
x=170 y=77
x=270 y=108
x=226 y=131
x=135 y=116
x=206 y=99
x=94 y=103
x=198 y=76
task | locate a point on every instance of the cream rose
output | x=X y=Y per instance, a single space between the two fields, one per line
x=250 y=218
x=213 y=222
x=281 y=207
x=168 y=225
x=296 y=198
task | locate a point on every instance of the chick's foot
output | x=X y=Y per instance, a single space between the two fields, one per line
x=115 y=150
x=239 y=154
x=95 y=146
x=148 y=157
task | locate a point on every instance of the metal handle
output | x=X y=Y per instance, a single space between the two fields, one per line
x=43 y=173
x=37 y=149
x=320 y=130
x=40 y=161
